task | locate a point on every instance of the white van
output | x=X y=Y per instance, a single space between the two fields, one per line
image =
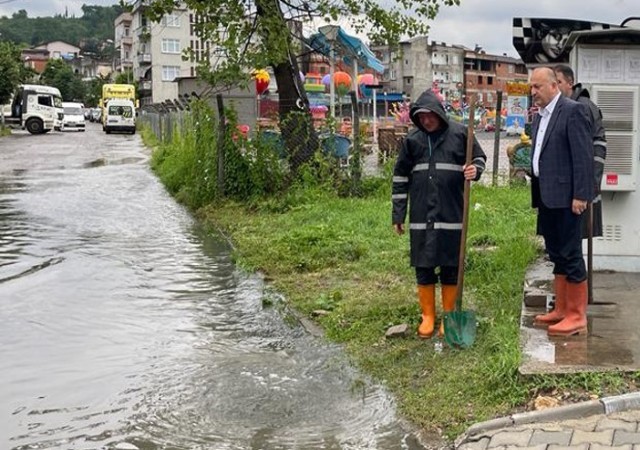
x=120 y=116
x=73 y=116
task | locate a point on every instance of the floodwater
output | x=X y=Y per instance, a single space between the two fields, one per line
x=124 y=325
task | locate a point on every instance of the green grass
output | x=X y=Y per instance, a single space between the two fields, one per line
x=4 y=131
x=340 y=255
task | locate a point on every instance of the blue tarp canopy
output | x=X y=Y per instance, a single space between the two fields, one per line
x=348 y=47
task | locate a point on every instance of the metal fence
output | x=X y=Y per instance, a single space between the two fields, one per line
x=359 y=141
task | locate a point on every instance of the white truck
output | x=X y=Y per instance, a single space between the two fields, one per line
x=36 y=108
x=120 y=116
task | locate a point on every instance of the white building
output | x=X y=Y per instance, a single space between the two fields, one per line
x=158 y=51
x=60 y=49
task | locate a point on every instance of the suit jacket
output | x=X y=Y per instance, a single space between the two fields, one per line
x=566 y=157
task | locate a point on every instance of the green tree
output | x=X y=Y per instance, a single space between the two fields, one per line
x=94 y=28
x=93 y=90
x=11 y=73
x=250 y=35
x=59 y=74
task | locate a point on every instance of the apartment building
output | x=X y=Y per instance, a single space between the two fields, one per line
x=448 y=69
x=407 y=68
x=158 y=48
x=456 y=70
x=123 y=43
x=486 y=74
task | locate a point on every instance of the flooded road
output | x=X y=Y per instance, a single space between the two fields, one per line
x=124 y=325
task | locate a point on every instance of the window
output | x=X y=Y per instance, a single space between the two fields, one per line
x=511 y=68
x=489 y=80
x=171 y=20
x=46 y=101
x=170 y=46
x=480 y=79
x=124 y=111
x=455 y=59
x=169 y=73
x=126 y=31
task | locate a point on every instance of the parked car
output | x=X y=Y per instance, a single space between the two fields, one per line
x=73 y=116
x=96 y=115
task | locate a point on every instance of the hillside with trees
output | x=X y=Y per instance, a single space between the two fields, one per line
x=94 y=27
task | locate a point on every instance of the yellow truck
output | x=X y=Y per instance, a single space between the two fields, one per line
x=116 y=92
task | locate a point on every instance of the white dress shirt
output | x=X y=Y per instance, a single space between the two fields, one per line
x=542 y=128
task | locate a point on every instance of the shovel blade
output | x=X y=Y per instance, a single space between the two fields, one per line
x=460 y=328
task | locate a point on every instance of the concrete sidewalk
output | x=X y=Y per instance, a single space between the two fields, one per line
x=612 y=422
x=613 y=344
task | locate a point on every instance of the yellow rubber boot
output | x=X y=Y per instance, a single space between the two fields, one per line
x=427 y=300
x=448 y=302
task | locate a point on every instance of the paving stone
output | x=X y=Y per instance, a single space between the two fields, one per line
x=551 y=437
x=592 y=437
x=622 y=437
x=572 y=447
x=515 y=447
x=480 y=444
x=608 y=447
x=519 y=438
x=584 y=424
x=608 y=423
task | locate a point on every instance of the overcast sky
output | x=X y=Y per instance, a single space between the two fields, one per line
x=483 y=22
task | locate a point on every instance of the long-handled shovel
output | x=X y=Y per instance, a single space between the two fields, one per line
x=459 y=325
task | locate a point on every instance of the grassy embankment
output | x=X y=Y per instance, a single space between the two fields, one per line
x=340 y=255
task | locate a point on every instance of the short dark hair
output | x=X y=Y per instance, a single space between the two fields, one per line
x=566 y=71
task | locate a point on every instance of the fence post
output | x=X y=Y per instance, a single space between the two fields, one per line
x=221 y=138
x=496 y=140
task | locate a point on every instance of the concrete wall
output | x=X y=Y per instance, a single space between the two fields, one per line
x=243 y=101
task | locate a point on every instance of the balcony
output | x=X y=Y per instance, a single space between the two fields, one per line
x=144 y=58
x=143 y=33
x=144 y=85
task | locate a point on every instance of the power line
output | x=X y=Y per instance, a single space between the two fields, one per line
x=4 y=2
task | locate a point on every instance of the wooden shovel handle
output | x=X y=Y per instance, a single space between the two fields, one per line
x=465 y=207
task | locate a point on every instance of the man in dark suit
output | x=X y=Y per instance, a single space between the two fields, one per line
x=561 y=187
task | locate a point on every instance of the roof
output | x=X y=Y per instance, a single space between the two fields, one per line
x=346 y=46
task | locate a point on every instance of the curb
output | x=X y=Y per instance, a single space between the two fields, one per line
x=606 y=405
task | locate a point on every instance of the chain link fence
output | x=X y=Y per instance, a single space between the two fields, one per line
x=347 y=145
